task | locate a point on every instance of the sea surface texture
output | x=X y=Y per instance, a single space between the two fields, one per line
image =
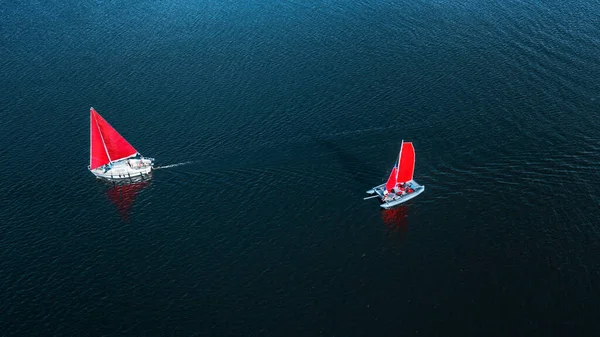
x=282 y=114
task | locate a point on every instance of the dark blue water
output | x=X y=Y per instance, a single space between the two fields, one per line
x=288 y=112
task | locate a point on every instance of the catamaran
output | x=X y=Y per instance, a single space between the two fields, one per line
x=111 y=156
x=400 y=186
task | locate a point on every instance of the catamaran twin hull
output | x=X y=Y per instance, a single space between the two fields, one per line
x=393 y=199
x=125 y=169
x=400 y=186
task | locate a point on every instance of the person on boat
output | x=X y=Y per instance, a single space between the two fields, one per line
x=387 y=195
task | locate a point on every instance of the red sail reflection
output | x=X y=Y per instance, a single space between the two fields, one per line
x=123 y=196
x=396 y=219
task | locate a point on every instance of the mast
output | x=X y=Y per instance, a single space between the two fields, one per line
x=102 y=137
x=99 y=143
x=91 y=138
x=399 y=160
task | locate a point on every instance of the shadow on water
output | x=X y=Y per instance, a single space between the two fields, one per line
x=123 y=195
x=395 y=219
x=349 y=162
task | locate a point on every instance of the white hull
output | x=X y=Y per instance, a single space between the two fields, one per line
x=393 y=200
x=125 y=169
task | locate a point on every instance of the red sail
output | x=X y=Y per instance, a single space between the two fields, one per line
x=391 y=182
x=98 y=155
x=393 y=179
x=114 y=145
x=407 y=163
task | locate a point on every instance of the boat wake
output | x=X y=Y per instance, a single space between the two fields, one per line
x=172 y=165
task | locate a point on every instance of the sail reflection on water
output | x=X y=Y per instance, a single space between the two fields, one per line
x=396 y=219
x=123 y=195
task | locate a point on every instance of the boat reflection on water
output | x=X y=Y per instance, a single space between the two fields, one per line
x=396 y=220
x=123 y=194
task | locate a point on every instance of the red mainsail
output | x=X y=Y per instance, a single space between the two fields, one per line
x=407 y=163
x=106 y=144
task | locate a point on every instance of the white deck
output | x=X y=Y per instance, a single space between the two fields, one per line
x=393 y=199
x=125 y=169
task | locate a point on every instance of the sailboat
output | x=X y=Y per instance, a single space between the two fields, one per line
x=111 y=156
x=400 y=186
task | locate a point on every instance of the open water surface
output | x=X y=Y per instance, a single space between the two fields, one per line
x=284 y=113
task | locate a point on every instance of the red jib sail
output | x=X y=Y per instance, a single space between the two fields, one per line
x=393 y=178
x=106 y=144
x=407 y=163
x=98 y=154
x=391 y=182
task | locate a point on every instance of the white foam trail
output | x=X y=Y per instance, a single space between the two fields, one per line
x=172 y=165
